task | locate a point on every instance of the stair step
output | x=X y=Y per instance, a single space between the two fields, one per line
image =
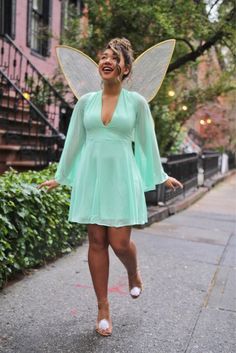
x=10 y=105
x=39 y=154
x=26 y=138
x=18 y=120
x=32 y=134
x=10 y=147
x=6 y=112
x=26 y=163
x=17 y=124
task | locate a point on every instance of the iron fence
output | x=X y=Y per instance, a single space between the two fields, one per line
x=185 y=168
x=210 y=163
x=18 y=68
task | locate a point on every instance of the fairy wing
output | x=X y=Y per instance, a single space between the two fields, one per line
x=80 y=71
x=149 y=69
x=148 y=72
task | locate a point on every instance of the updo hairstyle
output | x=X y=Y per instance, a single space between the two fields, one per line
x=122 y=45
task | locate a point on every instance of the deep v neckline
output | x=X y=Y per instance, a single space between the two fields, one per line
x=114 y=111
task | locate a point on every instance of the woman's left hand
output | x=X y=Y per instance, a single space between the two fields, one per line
x=173 y=183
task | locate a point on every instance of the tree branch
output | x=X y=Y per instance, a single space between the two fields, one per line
x=213 y=5
x=196 y=53
x=186 y=41
x=201 y=48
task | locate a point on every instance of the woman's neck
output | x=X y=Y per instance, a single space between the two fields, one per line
x=111 y=88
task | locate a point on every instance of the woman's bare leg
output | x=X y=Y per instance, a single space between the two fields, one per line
x=98 y=259
x=125 y=249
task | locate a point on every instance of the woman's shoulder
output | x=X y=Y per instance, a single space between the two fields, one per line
x=136 y=97
x=82 y=100
x=88 y=95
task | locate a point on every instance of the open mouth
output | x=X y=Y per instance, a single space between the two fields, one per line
x=107 y=69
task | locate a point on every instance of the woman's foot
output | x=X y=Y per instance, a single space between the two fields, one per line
x=104 y=325
x=135 y=284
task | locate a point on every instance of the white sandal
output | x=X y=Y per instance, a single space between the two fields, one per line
x=136 y=290
x=104 y=326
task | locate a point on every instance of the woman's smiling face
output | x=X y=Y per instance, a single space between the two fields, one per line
x=110 y=66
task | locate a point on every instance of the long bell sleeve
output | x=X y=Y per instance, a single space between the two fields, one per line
x=146 y=149
x=75 y=138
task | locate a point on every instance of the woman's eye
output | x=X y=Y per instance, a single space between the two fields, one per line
x=114 y=58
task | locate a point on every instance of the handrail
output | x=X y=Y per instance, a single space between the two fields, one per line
x=38 y=72
x=183 y=160
x=32 y=105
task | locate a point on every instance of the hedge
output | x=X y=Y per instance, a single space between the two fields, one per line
x=33 y=223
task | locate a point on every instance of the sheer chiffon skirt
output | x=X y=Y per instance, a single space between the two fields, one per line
x=108 y=188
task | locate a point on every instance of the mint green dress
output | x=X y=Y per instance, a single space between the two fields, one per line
x=108 y=179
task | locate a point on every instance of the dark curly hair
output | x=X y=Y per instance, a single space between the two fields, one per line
x=122 y=45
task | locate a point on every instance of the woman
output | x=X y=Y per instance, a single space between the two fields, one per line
x=108 y=180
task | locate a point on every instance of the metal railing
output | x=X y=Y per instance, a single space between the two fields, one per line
x=232 y=159
x=32 y=83
x=187 y=169
x=183 y=167
x=22 y=123
x=210 y=164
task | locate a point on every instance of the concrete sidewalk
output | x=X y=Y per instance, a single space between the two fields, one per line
x=188 y=304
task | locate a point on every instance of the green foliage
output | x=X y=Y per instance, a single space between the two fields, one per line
x=33 y=223
x=146 y=23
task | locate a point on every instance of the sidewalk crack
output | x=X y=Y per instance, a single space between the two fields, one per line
x=209 y=291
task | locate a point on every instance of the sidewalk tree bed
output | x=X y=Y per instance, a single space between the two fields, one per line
x=34 y=225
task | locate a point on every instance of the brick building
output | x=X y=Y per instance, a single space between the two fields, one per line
x=33 y=115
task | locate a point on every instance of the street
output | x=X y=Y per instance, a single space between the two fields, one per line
x=188 y=305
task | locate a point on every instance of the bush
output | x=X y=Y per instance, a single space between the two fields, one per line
x=34 y=224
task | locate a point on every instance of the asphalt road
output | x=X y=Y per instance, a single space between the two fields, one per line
x=188 y=305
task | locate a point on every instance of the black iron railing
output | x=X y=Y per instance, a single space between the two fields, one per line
x=210 y=164
x=232 y=159
x=183 y=167
x=32 y=83
x=23 y=124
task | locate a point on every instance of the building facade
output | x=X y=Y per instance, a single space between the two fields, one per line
x=33 y=115
x=36 y=27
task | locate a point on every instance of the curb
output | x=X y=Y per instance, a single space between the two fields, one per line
x=218 y=178
x=158 y=213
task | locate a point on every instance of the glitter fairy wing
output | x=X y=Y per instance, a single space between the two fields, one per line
x=150 y=68
x=148 y=71
x=80 y=71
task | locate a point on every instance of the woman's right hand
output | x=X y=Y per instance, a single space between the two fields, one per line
x=50 y=184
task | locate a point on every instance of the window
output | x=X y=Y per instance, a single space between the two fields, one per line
x=76 y=6
x=39 y=18
x=8 y=17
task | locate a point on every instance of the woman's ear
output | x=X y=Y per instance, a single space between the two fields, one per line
x=126 y=70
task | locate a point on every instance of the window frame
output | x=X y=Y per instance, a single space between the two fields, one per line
x=6 y=14
x=43 y=50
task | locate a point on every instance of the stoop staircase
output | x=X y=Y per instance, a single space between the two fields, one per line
x=30 y=108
